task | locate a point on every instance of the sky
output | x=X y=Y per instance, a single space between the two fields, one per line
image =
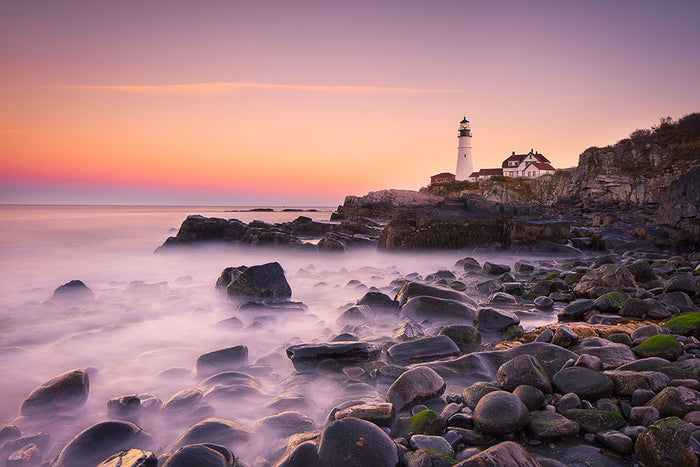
x=304 y=102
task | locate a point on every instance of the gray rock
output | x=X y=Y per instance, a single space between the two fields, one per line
x=646 y=331
x=549 y=425
x=229 y=275
x=641 y=397
x=532 y=397
x=303 y=455
x=229 y=384
x=568 y=401
x=467 y=338
x=434 y=308
x=231 y=358
x=503 y=454
x=626 y=382
x=584 y=382
x=213 y=430
x=201 y=454
x=286 y=423
x=682 y=283
x=98 y=442
x=472 y=394
x=611 y=302
x=468 y=264
x=408 y=331
x=611 y=354
x=680 y=300
x=522 y=267
x=593 y=421
x=675 y=401
x=183 y=400
x=263 y=282
x=415 y=386
x=307 y=356
x=356 y=314
x=75 y=291
x=493 y=320
x=416 y=289
x=500 y=413
x=641 y=271
x=423 y=350
x=431 y=442
x=502 y=298
x=664 y=442
x=381 y=414
x=378 y=301
x=643 y=416
x=564 y=337
x=523 y=369
x=494 y=269
x=589 y=361
x=616 y=441
x=27 y=456
x=545 y=336
x=62 y=393
x=576 y=310
x=131 y=458
x=351 y=441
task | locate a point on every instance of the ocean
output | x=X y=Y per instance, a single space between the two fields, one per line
x=154 y=314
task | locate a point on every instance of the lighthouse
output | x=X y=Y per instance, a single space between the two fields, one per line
x=464 y=151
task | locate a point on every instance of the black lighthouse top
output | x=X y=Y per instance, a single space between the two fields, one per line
x=464 y=128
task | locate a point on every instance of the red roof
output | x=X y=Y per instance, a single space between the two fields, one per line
x=443 y=174
x=486 y=172
x=541 y=158
x=543 y=166
x=520 y=157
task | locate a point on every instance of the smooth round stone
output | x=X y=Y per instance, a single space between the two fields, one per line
x=471 y=395
x=304 y=455
x=643 y=416
x=213 y=430
x=616 y=441
x=568 y=401
x=531 y=397
x=641 y=396
x=467 y=338
x=352 y=441
x=422 y=350
x=523 y=369
x=286 y=423
x=500 y=413
x=584 y=382
x=415 y=386
x=64 y=392
x=548 y=425
x=664 y=443
x=544 y=303
x=675 y=401
x=493 y=320
x=131 y=458
x=431 y=442
x=545 y=336
x=590 y=361
x=564 y=337
x=201 y=455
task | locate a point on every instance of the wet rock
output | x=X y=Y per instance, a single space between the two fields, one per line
x=495 y=269
x=437 y=443
x=131 y=405
x=472 y=394
x=549 y=425
x=680 y=300
x=626 y=382
x=611 y=354
x=231 y=358
x=544 y=303
x=647 y=308
x=426 y=422
x=682 y=283
x=64 y=392
x=415 y=289
x=41 y=440
x=590 y=361
x=381 y=414
x=183 y=400
x=262 y=282
x=351 y=441
x=675 y=401
x=611 y=302
x=286 y=423
x=9 y=432
x=415 y=386
x=229 y=275
x=663 y=444
x=213 y=430
x=432 y=308
x=593 y=421
x=74 y=290
x=408 y=331
x=357 y=314
x=523 y=369
x=616 y=441
x=576 y=311
x=584 y=382
x=568 y=401
x=532 y=397
x=643 y=416
x=522 y=267
x=503 y=454
x=229 y=384
x=201 y=454
x=687 y=324
x=500 y=413
x=378 y=301
x=564 y=337
x=467 y=338
x=97 y=443
x=545 y=336
x=423 y=350
x=662 y=346
x=131 y=458
x=426 y=457
x=303 y=455
x=468 y=264
x=307 y=356
x=604 y=279
x=493 y=320
x=641 y=271
x=502 y=298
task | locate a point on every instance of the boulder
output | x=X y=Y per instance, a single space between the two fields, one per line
x=438 y=309
x=229 y=275
x=549 y=425
x=379 y=413
x=415 y=386
x=494 y=320
x=202 y=454
x=663 y=444
x=62 y=393
x=584 y=382
x=611 y=302
x=604 y=279
x=286 y=423
x=74 y=290
x=302 y=455
x=472 y=394
x=307 y=356
x=100 y=441
x=507 y=453
x=544 y=303
x=564 y=337
x=576 y=310
x=626 y=382
x=675 y=401
x=213 y=430
x=27 y=456
x=231 y=358
x=131 y=458
x=641 y=271
x=532 y=397
x=378 y=301
x=523 y=369
x=416 y=289
x=616 y=441
x=352 y=441
x=682 y=283
x=500 y=413
x=437 y=443
x=687 y=324
x=593 y=421
x=423 y=350
x=183 y=400
x=494 y=269
x=264 y=282
x=611 y=354
x=661 y=345
x=467 y=338
x=229 y=384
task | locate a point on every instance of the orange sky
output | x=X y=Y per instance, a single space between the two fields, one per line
x=231 y=102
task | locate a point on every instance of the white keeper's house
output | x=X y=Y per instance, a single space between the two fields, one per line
x=530 y=165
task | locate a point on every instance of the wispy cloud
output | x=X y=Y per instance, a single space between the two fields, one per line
x=209 y=89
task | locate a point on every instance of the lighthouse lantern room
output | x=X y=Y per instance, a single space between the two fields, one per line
x=464 y=151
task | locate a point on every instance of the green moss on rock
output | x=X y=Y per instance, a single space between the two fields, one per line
x=513 y=332
x=687 y=324
x=593 y=421
x=458 y=285
x=426 y=422
x=663 y=443
x=661 y=345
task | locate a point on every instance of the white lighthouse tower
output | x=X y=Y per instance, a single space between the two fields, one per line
x=464 y=151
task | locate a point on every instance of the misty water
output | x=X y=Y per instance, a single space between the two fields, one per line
x=154 y=314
